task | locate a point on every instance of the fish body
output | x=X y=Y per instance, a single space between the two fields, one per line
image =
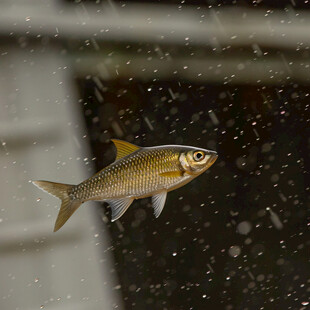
x=137 y=172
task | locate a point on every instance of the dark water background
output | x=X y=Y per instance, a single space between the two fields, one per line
x=237 y=237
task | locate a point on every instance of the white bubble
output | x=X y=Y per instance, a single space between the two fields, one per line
x=234 y=251
x=260 y=277
x=244 y=227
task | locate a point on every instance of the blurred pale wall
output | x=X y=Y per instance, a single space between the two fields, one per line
x=41 y=134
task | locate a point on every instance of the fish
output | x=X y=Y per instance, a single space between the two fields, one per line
x=137 y=172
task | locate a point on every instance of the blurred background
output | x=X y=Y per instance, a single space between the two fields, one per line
x=231 y=76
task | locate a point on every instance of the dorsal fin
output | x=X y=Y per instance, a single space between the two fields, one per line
x=124 y=148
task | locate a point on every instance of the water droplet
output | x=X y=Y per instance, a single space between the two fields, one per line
x=260 y=277
x=234 y=251
x=244 y=228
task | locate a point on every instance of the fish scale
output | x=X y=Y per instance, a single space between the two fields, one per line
x=135 y=176
x=136 y=173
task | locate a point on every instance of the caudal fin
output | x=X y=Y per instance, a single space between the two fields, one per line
x=61 y=191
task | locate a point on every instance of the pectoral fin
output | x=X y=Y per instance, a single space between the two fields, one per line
x=171 y=174
x=158 y=202
x=119 y=207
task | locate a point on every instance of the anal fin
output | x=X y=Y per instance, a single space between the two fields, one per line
x=119 y=206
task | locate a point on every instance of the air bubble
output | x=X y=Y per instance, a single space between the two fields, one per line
x=234 y=251
x=244 y=228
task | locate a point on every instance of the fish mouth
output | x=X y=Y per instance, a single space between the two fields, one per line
x=212 y=159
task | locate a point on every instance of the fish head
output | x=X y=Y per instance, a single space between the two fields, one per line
x=196 y=161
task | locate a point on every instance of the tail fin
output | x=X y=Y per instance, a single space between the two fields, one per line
x=61 y=191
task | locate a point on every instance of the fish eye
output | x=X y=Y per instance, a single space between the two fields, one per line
x=198 y=156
